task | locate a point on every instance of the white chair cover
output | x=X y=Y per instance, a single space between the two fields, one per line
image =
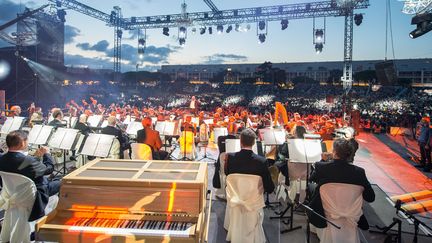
x=220 y=192
x=17 y=198
x=141 y=151
x=244 y=211
x=115 y=150
x=342 y=205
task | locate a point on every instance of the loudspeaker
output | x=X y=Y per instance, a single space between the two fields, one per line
x=386 y=73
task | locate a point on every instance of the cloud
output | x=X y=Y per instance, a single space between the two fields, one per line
x=76 y=60
x=220 y=58
x=70 y=33
x=101 y=46
x=9 y=9
x=152 y=54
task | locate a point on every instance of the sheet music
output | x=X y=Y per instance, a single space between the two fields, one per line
x=7 y=125
x=34 y=133
x=128 y=120
x=170 y=129
x=273 y=136
x=219 y=131
x=104 y=145
x=98 y=145
x=160 y=127
x=44 y=135
x=69 y=139
x=302 y=151
x=154 y=120
x=104 y=124
x=57 y=138
x=17 y=123
x=71 y=122
x=133 y=127
x=90 y=144
x=94 y=120
x=233 y=146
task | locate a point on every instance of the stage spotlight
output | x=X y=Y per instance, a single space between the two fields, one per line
x=182 y=41
x=424 y=24
x=319 y=47
x=141 y=42
x=261 y=25
x=165 y=31
x=219 y=29
x=119 y=34
x=193 y=30
x=229 y=29
x=4 y=69
x=319 y=35
x=141 y=56
x=237 y=27
x=61 y=15
x=284 y=24
x=182 y=32
x=25 y=58
x=358 y=19
x=202 y=30
x=210 y=29
x=261 y=38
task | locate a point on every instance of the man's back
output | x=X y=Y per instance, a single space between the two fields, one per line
x=149 y=137
x=28 y=166
x=342 y=172
x=246 y=162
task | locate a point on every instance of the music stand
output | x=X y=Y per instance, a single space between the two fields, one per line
x=219 y=131
x=98 y=145
x=272 y=137
x=12 y=124
x=133 y=127
x=63 y=139
x=94 y=120
x=301 y=151
x=166 y=129
x=39 y=135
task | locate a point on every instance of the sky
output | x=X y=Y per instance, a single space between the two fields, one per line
x=89 y=42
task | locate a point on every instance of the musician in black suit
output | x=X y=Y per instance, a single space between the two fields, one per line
x=339 y=170
x=58 y=119
x=17 y=161
x=82 y=125
x=111 y=129
x=246 y=162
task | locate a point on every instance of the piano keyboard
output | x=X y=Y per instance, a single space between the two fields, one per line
x=132 y=227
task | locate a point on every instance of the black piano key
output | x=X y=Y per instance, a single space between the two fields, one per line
x=88 y=223
x=123 y=224
x=146 y=223
x=160 y=225
x=141 y=224
x=164 y=224
x=154 y=222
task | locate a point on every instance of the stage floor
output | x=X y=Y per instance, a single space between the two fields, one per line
x=386 y=160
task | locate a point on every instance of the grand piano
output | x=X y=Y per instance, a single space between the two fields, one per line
x=130 y=201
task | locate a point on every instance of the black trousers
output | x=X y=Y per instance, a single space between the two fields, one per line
x=425 y=155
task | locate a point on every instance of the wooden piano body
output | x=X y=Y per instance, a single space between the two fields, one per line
x=164 y=201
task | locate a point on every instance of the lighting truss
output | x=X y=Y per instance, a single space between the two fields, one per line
x=416 y=6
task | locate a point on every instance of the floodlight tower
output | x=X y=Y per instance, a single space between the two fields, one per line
x=347 y=7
